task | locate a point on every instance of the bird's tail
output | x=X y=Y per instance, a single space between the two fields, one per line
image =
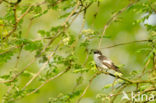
x=117 y=69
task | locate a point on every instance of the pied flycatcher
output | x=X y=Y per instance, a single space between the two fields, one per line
x=103 y=62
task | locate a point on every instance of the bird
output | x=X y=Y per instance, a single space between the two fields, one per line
x=103 y=62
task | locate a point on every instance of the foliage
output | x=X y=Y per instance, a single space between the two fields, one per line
x=49 y=43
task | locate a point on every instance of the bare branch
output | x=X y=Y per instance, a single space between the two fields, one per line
x=126 y=43
x=112 y=20
x=11 y=3
x=85 y=90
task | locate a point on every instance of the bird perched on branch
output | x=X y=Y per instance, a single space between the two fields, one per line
x=103 y=63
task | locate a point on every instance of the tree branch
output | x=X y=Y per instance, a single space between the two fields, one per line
x=111 y=20
x=17 y=20
x=85 y=90
x=126 y=43
x=41 y=69
x=56 y=76
x=11 y=3
x=18 y=74
x=127 y=80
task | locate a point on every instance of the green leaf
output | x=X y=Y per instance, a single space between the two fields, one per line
x=142 y=50
x=33 y=45
x=149 y=56
x=107 y=86
x=4 y=57
x=37 y=9
x=27 y=73
x=40 y=14
x=150 y=27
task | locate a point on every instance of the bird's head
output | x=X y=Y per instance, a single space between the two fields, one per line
x=97 y=52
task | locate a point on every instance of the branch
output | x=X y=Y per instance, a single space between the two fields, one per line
x=116 y=76
x=56 y=76
x=118 y=92
x=45 y=64
x=154 y=56
x=113 y=19
x=143 y=71
x=73 y=11
x=43 y=67
x=17 y=20
x=126 y=43
x=18 y=74
x=15 y=16
x=85 y=90
x=11 y=3
x=18 y=56
x=127 y=80
x=84 y=9
x=83 y=65
x=64 y=27
x=51 y=41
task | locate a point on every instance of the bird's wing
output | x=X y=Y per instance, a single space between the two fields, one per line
x=112 y=66
x=107 y=62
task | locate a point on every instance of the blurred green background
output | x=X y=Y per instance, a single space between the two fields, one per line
x=124 y=29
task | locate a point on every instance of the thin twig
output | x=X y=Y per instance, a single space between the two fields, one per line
x=56 y=76
x=73 y=11
x=85 y=90
x=112 y=20
x=147 y=63
x=17 y=20
x=18 y=57
x=12 y=3
x=126 y=43
x=81 y=74
x=52 y=39
x=96 y=13
x=42 y=68
x=44 y=65
x=118 y=92
x=18 y=74
x=15 y=25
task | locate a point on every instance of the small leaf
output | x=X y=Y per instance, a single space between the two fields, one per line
x=108 y=86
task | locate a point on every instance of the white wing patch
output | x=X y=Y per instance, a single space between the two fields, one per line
x=107 y=61
x=99 y=62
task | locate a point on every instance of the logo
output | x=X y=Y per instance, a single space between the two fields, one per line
x=137 y=96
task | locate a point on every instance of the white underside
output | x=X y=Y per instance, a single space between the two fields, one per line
x=101 y=65
x=98 y=62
